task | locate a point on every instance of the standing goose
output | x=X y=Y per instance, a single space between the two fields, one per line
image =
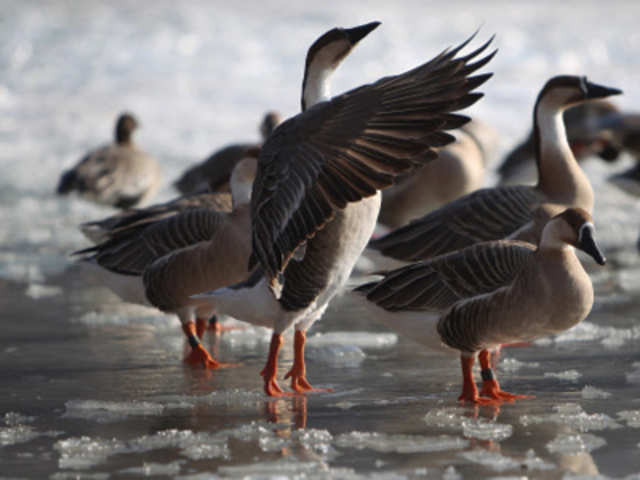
x=316 y=196
x=495 y=213
x=120 y=175
x=213 y=173
x=166 y=261
x=491 y=293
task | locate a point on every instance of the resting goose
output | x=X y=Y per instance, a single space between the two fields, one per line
x=586 y=136
x=624 y=129
x=491 y=293
x=212 y=174
x=170 y=259
x=120 y=175
x=316 y=197
x=495 y=213
x=458 y=170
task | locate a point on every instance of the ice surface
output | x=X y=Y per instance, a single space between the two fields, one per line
x=486 y=430
x=37 y=291
x=509 y=364
x=450 y=417
x=591 y=393
x=568 y=443
x=587 y=331
x=78 y=453
x=150 y=469
x=632 y=417
x=500 y=463
x=358 y=339
x=571 y=375
x=634 y=375
x=573 y=415
x=383 y=443
x=337 y=355
x=104 y=412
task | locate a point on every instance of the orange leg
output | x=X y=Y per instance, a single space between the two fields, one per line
x=199 y=355
x=298 y=372
x=469 y=389
x=271 y=386
x=201 y=327
x=490 y=385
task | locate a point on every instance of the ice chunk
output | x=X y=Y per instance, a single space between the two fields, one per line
x=286 y=468
x=450 y=473
x=37 y=291
x=154 y=469
x=573 y=415
x=337 y=355
x=196 y=446
x=104 y=412
x=486 y=430
x=85 y=452
x=609 y=336
x=449 y=417
x=634 y=376
x=76 y=476
x=381 y=442
x=126 y=314
x=16 y=431
x=632 y=417
x=568 y=443
x=570 y=375
x=591 y=393
x=13 y=419
x=512 y=364
x=534 y=462
x=493 y=460
x=358 y=339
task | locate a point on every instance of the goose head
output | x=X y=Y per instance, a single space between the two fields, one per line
x=242 y=177
x=574 y=227
x=125 y=125
x=564 y=91
x=324 y=56
x=269 y=123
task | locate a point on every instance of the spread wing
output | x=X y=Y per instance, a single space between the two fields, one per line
x=487 y=214
x=348 y=148
x=438 y=283
x=132 y=250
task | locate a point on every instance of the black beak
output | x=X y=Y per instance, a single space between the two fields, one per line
x=600 y=91
x=356 y=34
x=587 y=244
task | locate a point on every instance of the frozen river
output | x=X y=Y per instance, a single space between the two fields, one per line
x=93 y=388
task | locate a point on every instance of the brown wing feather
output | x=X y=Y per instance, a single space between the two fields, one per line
x=439 y=283
x=131 y=253
x=345 y=149
x=487 y=214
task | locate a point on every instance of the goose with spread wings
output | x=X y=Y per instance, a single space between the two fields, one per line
x=316 y=197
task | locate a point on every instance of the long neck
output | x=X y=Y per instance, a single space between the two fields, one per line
x=316 y=85
x=560 y=177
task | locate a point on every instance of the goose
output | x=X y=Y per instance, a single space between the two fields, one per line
x=503 y=211
x=585 y=133
x=625 y=132
x=458 y=170
x=316 y=196
x=491 y=293
x=212 y=174
x=164 y=262
x=119 y=175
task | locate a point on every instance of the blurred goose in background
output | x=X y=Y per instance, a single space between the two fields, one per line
x=505 y=291
x=212 y=174
x=316 y=197
x=164 y=262
x=504 y=211
x=458 y=170
x=624 y=129
x=120 y=175
x=586 y=134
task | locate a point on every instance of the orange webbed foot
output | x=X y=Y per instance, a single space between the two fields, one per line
x=491 y=389
x=300 y=384
x=200 y=357
x=271 y=386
